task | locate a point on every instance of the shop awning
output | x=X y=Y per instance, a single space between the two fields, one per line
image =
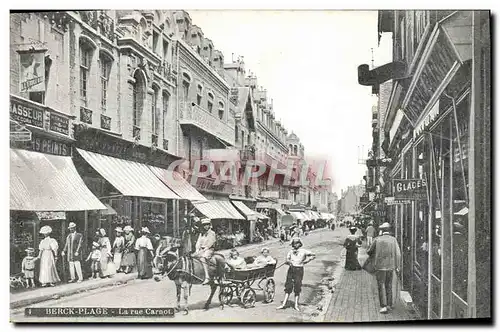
x=130 y=178
x=262 y=216
x=215 y=209
x=297 y=215
x=178 y=184
x=245 y=210
x=43 y=182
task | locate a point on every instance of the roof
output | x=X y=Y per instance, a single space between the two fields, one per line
x=245 y=210
x=43 y=182
x=130 y=178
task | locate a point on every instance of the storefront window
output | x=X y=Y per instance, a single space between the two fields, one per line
x=422 y=210
x=22 y=236
x=153 y=216
x=460 y=208
x=123 y=216
x=170 y=225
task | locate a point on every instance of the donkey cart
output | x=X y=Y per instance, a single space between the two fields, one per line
x=239 y=283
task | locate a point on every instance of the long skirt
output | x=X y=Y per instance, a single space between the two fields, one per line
x=48 y=271
x=117 y=259
x=107 y=266
x=128 y=259
x=351 y=260
x=144 y=268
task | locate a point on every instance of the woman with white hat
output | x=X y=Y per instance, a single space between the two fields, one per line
x=145 y=254
x=48 y=256
x=118 y=246
x=107 y=267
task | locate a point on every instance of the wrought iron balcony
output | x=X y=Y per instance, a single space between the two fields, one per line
x=194 y=115
x=154 y=140
x=105 y=122
x=99 y=21
x=85 y=115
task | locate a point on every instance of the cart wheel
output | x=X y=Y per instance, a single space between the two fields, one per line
x=225 y=295
x=270 y=288
x=248 y=298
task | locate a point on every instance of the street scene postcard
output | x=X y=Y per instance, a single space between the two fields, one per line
x=250 y=166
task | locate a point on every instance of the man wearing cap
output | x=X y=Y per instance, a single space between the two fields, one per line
x=205 y=246
x=73 y=248
x=386 y=257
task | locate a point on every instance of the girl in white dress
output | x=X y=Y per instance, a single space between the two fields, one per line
x=48 y=256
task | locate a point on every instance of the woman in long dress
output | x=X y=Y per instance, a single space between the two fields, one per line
x=145 y=254
x=128 y=257
x=118 y=246
x=351 y=244
x=107 y=266
x=48 y=256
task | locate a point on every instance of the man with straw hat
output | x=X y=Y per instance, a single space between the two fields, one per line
x=386 y=257
x=296 y=259
x=205 y=246
x=73 y=248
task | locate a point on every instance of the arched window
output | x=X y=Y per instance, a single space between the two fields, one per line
x=295 y=150
x=155 y=117
x=291 y=148
x=104 y=69
x=186 y=82
x=86 y=53
x=210 y=103
x=236 y=134
x=221 y=110
x=138 y=95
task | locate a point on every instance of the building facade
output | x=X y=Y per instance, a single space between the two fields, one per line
x=437 y=137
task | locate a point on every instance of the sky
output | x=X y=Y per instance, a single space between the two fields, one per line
x=307 y=61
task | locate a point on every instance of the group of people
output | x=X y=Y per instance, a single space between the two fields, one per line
x=105 y=259
x=383 y=253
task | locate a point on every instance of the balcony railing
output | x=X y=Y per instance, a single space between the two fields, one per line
x=197 y=116
x=85 y=115
x=165 y=70
x=99 y=19
x=136 y=133
x=105 y=122
x=154 y=140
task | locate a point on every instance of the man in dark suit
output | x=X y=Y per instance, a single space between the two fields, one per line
x=73 y=249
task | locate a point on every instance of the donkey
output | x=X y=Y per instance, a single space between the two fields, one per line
x=185 y=271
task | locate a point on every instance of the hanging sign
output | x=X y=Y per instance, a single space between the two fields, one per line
x=32 y=78
x=410 y=189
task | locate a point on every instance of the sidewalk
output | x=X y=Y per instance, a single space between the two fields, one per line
x=48 y=293
x=356 y=299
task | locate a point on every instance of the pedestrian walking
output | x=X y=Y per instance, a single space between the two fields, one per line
x=370 y=234
x=351 y=244
x=128 y=258
x=48 y=256
x=145 y=255
x=295 y=259
x=28 y=267
x=107 y=267
x=386 y=256
x=95 y=259
x=73 y=252
x=118 y=247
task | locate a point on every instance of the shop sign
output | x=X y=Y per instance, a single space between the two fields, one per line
x=59 y=124
x=392 y=201
x=32 y=73
x=209 y=184
x=48 y=145
x=23 y=112
x=410 y=189
x=51 y=215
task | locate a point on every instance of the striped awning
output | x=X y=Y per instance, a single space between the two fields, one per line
x=130 y=178
x=177 y=183
x=215 y=209
x=43 y=182
x=245 y=210
x=297 y=215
